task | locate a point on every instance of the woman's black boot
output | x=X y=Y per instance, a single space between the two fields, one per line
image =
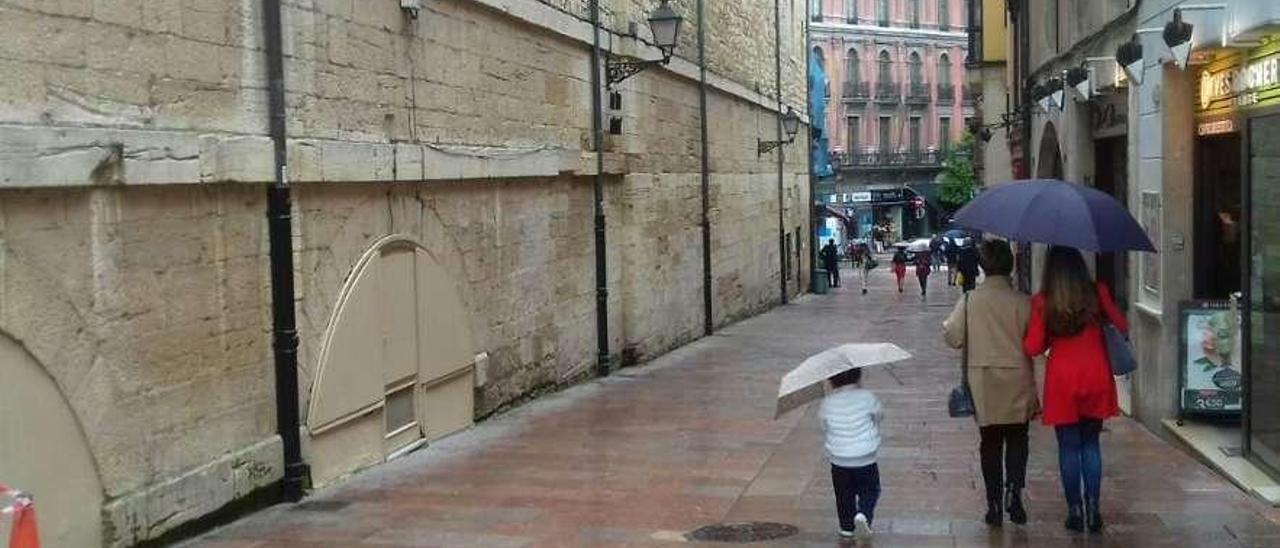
x=1094 y=515
x=1013 y=503
x=995 y=512
x=1075 y=518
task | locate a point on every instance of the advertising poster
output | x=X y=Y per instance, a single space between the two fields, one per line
x=1151 y=223
x=1211 y=375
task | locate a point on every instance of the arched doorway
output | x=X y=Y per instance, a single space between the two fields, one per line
x=1049 y=160
x=43 y=451
x=396 y=369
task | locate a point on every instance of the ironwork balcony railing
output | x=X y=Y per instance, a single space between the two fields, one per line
x=888 y=93
x=880 y=160
x=857 y=92
x=946 y=94
x=917 y=94
x=970 y=96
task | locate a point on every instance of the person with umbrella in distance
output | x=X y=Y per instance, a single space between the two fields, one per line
x=988 y=324
x=900 y=266
x=923 y=268
x=850 y=416
x=1069 y=316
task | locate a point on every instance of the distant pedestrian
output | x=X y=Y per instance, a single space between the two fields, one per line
x=989 y=323
x=967 y=264
x=952 y=251
x=1079 y=390
x=900 y=266
x=830 y=255
x=866 y=262
x=923 y=268
x=935 y=252
x=850 y=417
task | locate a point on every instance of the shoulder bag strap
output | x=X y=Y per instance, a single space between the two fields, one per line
x=964 y=356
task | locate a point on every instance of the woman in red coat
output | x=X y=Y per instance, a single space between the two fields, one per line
x=1079 y=390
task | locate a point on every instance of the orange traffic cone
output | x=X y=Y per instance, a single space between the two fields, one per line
x=23 y=534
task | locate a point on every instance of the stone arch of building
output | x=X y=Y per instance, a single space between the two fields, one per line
x=44 y=450
x=1049 y=160
x=395 y=366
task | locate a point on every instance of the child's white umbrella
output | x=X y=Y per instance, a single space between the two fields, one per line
x=808 y=382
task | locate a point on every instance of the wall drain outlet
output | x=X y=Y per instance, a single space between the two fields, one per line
x=751 y=531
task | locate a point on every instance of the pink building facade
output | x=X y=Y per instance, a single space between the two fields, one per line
x=896 y=72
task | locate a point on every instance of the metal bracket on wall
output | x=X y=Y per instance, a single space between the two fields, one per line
x=618 y=69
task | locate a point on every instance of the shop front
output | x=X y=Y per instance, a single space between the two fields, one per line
x=1230 y=334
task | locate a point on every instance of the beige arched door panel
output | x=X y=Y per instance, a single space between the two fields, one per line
x=43 y=451
x=397 y=366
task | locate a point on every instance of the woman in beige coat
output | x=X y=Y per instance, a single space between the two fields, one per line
x=1001 y=378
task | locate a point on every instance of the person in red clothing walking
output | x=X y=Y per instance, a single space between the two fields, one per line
x=1079 y=390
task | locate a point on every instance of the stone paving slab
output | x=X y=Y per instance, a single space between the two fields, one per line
x=645 y=456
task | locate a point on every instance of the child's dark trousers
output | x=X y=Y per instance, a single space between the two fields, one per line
x=857 y=490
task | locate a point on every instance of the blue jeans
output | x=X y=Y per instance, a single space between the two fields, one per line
x=1080 y=460
x=857 y=490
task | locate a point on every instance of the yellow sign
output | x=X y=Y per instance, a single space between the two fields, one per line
x=1243 y=82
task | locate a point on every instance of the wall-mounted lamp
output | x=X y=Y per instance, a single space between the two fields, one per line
x=1177 y=34
x=790 y=126
x=665 y=24
x=411 y=7
x=1078 y=78
x=1129 y=57
x=1057 y=93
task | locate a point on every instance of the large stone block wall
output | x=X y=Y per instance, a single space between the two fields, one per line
x=133 y=154
x=148 y=307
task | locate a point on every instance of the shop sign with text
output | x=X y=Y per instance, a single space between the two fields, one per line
x=1243 y=82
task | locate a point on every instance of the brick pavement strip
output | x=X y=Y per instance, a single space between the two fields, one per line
x=653 y=452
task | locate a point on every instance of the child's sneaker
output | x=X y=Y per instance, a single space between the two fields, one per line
x=846 y=534
x=861 y=528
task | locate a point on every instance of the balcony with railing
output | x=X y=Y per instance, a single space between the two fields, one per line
x=889 y=161
x=856 y=92
x=917 y=94
x=946 y=94
x=888 y=93
x=970 y=96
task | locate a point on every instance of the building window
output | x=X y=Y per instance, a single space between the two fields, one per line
x=914 y=6
x=817 y=11
x=885 y=123
x=852 y=70
x=915 y=134
x=852 y=145
x=886 y=69
x=917 y=70
x=944 y=70
x=944 y=133
x=944 y=15
x=851 y=11
x=882 y=12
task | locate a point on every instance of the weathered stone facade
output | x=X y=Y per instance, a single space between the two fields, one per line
x=134 y=273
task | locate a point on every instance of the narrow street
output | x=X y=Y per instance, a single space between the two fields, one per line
x=651 y=453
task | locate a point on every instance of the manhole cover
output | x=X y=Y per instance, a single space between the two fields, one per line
x=751 y=531
x=323 y=505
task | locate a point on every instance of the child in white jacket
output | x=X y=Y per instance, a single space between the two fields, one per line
x=850 y=418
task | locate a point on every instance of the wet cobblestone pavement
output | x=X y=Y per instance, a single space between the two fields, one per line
x=654 y=452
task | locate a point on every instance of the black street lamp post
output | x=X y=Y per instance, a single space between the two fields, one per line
x=665 y=24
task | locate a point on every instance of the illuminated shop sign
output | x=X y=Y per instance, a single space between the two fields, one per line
x=1242 y=84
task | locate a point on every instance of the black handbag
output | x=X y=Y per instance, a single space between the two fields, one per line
x=960 y=404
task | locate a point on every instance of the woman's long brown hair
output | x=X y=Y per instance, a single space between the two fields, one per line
x=1071 y=299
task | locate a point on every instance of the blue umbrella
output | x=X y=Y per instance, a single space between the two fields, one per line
x=1050 y=211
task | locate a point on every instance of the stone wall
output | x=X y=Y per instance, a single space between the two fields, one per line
x=133 y=159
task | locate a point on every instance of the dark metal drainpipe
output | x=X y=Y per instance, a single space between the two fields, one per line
x=597 y=143
x=708 y=320
x=813 y=193
x=280 y=233
x=777 y=65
